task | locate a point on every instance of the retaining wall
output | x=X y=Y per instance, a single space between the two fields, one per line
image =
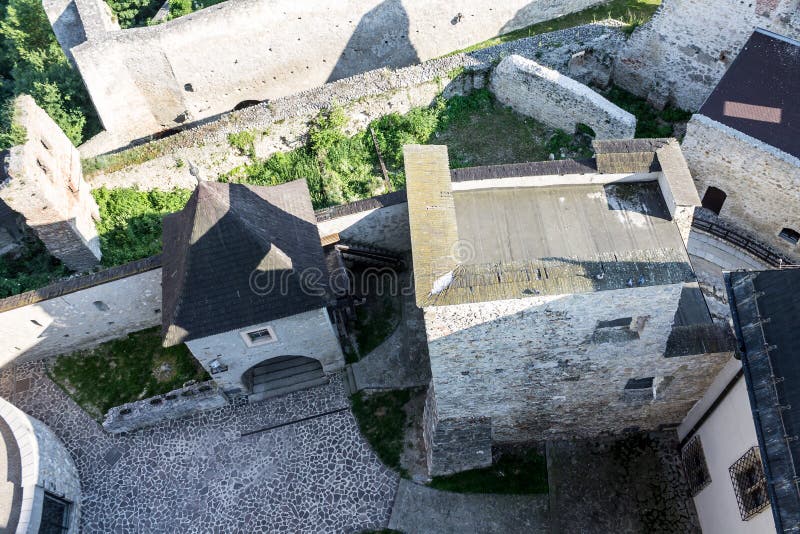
x=681 y=54
x=144 y=80
x=80 y=313
x=557 y=100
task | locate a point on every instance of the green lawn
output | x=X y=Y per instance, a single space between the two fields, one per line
x=514 y=473
x=633 y=13
x=382 y=421
x=124 y=370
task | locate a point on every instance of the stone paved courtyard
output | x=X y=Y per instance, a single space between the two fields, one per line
x=201 y=474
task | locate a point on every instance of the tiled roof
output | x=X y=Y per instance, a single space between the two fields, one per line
x=758 y=95
x=766 y=315
x=238 y=255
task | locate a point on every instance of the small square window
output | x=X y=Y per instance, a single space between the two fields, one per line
x=640 y=383
x=55 y=515
x=694 y=463
x=749 y=484
x=259 y=336
x=792 y=236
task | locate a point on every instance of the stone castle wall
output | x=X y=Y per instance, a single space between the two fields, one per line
x=144 y=80
x=762 y=182
x=682 y=53
x=544 y=368
x=80 y=313
x=45 y=184
x=557 y=100
x=385 y=228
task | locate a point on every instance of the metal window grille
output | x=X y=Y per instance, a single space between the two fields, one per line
x=749 y=484
x=694 y=463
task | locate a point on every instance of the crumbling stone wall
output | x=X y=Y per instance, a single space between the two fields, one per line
x=681 y=54
x=144 y=80
x=542 y=368
x=762 y=183
x=45 y=184
x=557 y=100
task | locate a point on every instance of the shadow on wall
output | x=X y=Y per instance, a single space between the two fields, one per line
x=364 y=52
x=523 y=17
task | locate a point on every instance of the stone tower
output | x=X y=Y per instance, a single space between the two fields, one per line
x=43 y=181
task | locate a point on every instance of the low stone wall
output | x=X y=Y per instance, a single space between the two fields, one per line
x=144 y=80
x=762 y=183
x=173 y=405
x=45 y=465
x=81 y=312
x=681 y=54
x=557 y=100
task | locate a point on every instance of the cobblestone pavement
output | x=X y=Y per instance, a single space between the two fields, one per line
x=207 y=474
x=635 y=484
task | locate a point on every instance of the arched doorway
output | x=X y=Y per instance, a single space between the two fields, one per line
x=714 y=199
x=283 y=374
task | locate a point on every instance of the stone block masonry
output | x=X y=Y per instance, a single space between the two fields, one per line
x=557 y=100
x=145 y=80
x=682 y=53
x=762 y=183
x=45 y=184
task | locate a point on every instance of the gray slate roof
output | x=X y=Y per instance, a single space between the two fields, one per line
x=766 y=316
x=237 y=256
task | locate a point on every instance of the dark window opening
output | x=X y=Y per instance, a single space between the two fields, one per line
x=260 y=335
x=622 y=321
x=245 y=104
x=55 y=515
x=714 y=199
x=616 y=330
x=749 y=484
x=694 y=463
x=640 y=383
x=792 y=236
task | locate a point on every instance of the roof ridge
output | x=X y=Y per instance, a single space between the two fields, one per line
x=192 y=205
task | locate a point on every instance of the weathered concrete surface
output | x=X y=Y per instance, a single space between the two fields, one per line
x=419 y=509
x=45 y=185
x=633 y=484
x=682 y=53
x=148 y=79
x=557 y=100
x=762 y=183
x=210 y=473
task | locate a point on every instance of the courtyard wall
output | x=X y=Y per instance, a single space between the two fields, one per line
x=144 y=80
x=762 y=183
x=683 y=51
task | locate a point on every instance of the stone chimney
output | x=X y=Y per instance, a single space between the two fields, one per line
x=43 y=181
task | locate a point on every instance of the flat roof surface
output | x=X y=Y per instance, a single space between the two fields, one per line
x=766 y=313
x=758 y=95
x=578 y=221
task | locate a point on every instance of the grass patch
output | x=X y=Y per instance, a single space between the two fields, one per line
x=243 y=142
x=342 y=169
x=29 y=268
x=117 y=161
x=124 y=370
x=514 y=473
x=130 y=221
x=382 y=421
x=633 y=13
x=650 y=122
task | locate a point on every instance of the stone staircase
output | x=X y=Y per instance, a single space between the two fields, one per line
x=286 y=374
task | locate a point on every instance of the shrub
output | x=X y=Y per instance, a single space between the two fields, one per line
x=130 y=221
x=243 y=142
x=29 y=268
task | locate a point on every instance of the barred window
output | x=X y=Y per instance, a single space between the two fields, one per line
x=694 y=463
x=749 y=484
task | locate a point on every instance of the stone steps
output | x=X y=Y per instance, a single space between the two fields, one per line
x=258 y=396
x=284 y=375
